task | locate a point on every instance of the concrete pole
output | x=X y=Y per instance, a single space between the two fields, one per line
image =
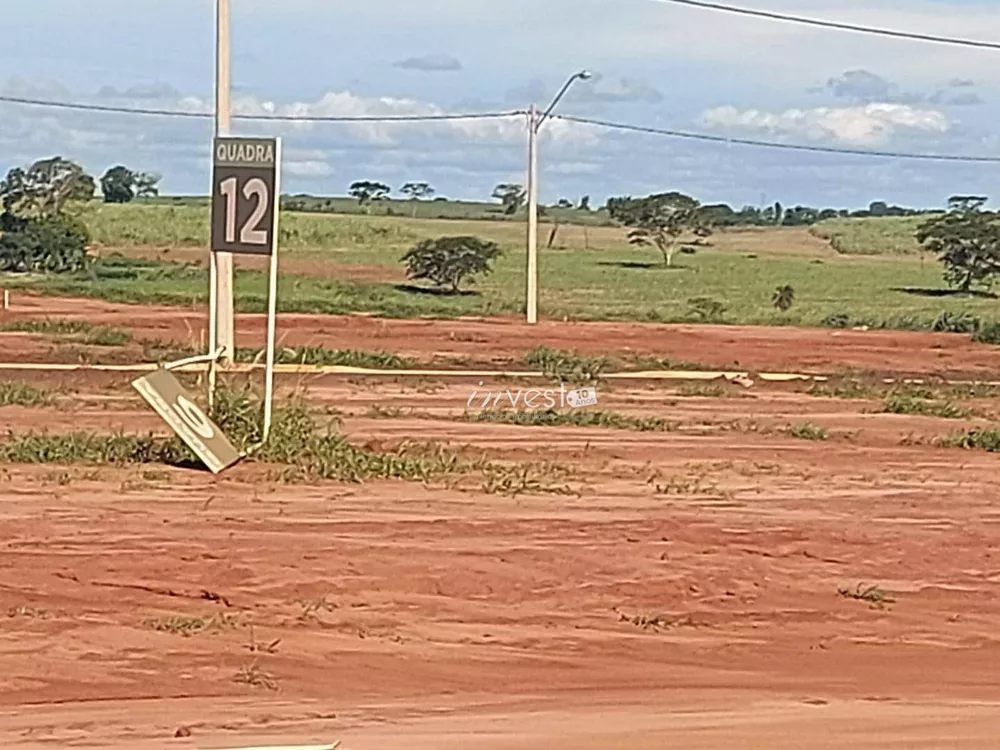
x=224 y=325
x=532 y=280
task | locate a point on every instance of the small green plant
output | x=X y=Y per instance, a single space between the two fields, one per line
x=447 y=261
x=254 y=676
x=706 y=310
x=47 y=326
x=951 y=322
x=567 y=366
x=575 y=418
x=525 y=478
x=15 y=393
x=871 y=594
x=988 y=333
x=190 y=626
x=703 y=390
x=107 y=336
x=837 y=320
x=807 y=431
x=323 y=357
x=904 y=403
x=783 y=297
x=986 y=440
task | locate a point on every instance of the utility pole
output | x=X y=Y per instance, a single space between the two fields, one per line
x=532 y=280
x=534 y=125
x=221 y=324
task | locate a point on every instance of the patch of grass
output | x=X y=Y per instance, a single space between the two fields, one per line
x=874 y=595
x=107 y=336
x=807 y=431
x=323 y=357
x=904 y=403
x=988 y=333
x=47 y=326
x=190 y=626
x=566 y=366
x=871 y=236
x=656 y=623
x=254 y=676
x=703 y=390
x=846 y=389
x=18 y=393
x=985 y=439
x=574 y=418
x=541 y=478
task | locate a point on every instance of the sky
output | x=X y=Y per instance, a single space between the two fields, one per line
x=656 y=64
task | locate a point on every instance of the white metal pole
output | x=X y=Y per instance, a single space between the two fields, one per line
x=272 y=297
x=223 y=122
x=532 y=281
x=6 y=299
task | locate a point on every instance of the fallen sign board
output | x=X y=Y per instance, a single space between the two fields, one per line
x=168 y=398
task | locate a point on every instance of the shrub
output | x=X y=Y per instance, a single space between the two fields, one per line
x=50 y=244
x=783 y=298
x=706 y=309
x=949 y=322
x=988 y=334
x=836 y=320
x=447 y=261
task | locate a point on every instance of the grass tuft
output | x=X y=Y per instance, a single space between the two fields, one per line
x=807 y=431
x=17 y=393
x=576 y=418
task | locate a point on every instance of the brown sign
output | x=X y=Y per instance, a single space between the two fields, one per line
x=245 y=195
x=168 y=397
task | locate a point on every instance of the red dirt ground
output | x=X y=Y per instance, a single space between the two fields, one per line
x=440 y=615
x=755 y=348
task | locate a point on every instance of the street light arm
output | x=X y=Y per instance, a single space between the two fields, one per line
x=583 y=75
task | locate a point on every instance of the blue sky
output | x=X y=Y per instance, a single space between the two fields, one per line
x=658 y=64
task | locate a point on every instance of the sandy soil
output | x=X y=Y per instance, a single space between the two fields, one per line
x=498 y=340
x=684 y=591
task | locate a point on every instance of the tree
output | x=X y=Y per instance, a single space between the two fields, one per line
x=147 y=184
x=585 y=203
x=446 y=261
x=783 y=297
x=511 y=196
x=967 y=241
x=368 y=191
x=44 y=188
x=118 y=185
x=661 y=220
x=416 y=191
x=564 y=203
x=122 y=185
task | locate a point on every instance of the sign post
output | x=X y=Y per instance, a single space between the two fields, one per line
x=246 y=185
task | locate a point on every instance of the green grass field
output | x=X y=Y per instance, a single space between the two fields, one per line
x=589 y=273
x=879 y=236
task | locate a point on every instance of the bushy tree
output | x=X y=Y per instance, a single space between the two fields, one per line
x=783 y=298
x=512 y=197
x=966 y=240
x=417 y=191
x=447 y=261
x=44 y=188
x=368 y=191
x=661 y=220
x=42 y=244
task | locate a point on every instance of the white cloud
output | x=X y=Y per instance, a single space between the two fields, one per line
x=869 y=125
x=432 y=63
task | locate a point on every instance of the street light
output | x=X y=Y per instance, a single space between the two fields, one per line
x=534 y=125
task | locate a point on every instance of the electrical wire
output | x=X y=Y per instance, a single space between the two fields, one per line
x=774 y=16
x=497 y=115
x=282 y=118
x=776 y=144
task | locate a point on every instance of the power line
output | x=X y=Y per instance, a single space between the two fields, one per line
x=835 y=24
x=498 y=115
x=280 y=118
x=777 y=145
